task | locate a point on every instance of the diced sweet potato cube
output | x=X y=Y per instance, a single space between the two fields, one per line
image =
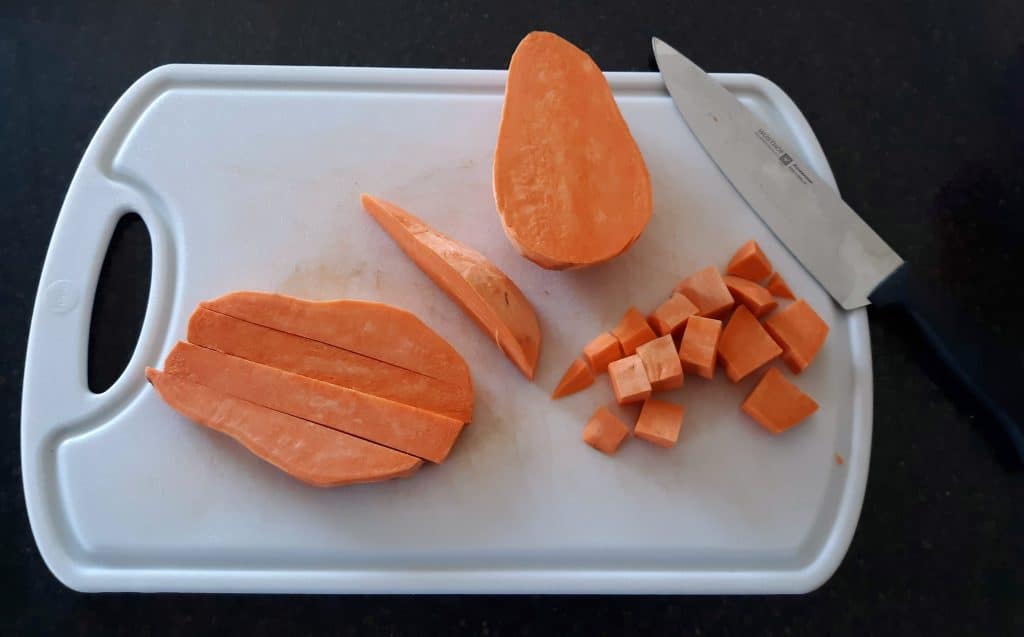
x=659 y=422
x=662 y=364
x=708 y=292
x=777 y=404
x=750 y=263
x=604 y=431
x=601 y=351
x=757 y=299
x=672 y=314
x=576 y=378
x=699 y=346
x=800 y=332
x=629 y=380
x=745 y=345
x=778 y=287
x=632 y=331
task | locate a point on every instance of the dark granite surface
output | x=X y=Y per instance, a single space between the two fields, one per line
x=919 y=107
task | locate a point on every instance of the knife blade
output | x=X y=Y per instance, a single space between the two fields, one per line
x=831 y=240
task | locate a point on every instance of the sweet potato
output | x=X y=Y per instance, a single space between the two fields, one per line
x=482 y=290
x=375 y=330
x=777 y=404
x=708 y=292
x=577 y=378
x=757 y=299
x=745 y=345
x=420 y=433
x=778 y=287
x=570 y=183
x=659 y=422
x=602 y=351
x=605 y=432
x=671 y=316
x=629 y=380
x=699 y=346
x=632 y=331
x=661 y=362
x=310 y=452
x=750 y=263
x=328 y=363
x=800 y=332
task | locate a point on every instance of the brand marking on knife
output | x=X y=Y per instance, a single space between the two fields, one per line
x=785 y=158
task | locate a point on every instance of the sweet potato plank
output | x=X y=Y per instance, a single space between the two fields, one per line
x=307 y=451
x=375 y=330
x=328 y=363
x=570 y=183
x=482 y=290
x=407 y=429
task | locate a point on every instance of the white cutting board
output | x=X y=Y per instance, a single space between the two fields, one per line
x=249 y=178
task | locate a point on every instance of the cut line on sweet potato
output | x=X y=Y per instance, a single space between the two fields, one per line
x=483 y=291
x=376 y=330
x=328 y=363
x=304 y=450
x=577 y=378
x=698 y=348
x=570 y=184
x=420 y=433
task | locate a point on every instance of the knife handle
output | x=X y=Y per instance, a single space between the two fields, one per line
x=990 y=373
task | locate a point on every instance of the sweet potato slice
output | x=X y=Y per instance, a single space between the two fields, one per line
x=570 y=183
x=328 y=363
x=416 y=432
x=757 y=299
x=777 y=404
x=307 y=451
x=750 y=263
x=745 y=345
x=372 y=329
x=708 y=292
x=577 y=378
x=778 y=287
x=800 y=332
x=482 y=290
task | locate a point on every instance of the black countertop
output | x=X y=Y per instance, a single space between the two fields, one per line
x=919 y=106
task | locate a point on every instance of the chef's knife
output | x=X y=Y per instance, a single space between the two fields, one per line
x=830 y=239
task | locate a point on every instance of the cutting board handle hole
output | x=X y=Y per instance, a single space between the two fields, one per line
x=119 y=306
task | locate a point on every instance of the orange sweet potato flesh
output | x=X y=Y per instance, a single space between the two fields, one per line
x=307 y=451
x=777 y=404
x=483 y=291
x=750 y=263
x=328 y=363
x=757 y=299
x=800 y=332
x=376 y=330
x=698 y=347
x=745 y=345
x=778 y=287
x=605 y=432
x=407 y=429
x=570 y=183
x=708 y=292
x=577 y=378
